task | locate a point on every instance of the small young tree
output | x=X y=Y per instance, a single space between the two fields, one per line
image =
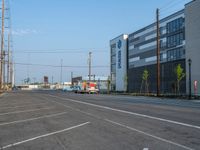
x=179 y=76
x=125 y=82
x=145 y=77
x=108 y=85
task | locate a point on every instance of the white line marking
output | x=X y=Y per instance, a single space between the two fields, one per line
x=23 y=106
x=31 y=119
x=112 y=122
x=16 y=112
x=128 y=112
x=150 y=135
x=8 y=105
x=45 y=135
x=145 y=148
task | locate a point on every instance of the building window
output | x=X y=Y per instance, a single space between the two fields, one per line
x=113 y=68
x=113 y=59
x=175 y=25
x=175 y=40
x=175 y=54
x=113 y=51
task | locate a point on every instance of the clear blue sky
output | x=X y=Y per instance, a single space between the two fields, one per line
x=72 y=28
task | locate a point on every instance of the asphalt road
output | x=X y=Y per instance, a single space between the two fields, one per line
x=49 y=120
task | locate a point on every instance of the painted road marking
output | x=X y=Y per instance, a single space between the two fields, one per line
x=23 y=106
x=8 y=105
x=16 y=112
x=31 y=119
x=150 y=135
x=45 y=135
x=130 y=128
x=128 y=112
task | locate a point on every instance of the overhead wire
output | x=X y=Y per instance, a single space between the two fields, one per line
x=67 y=50
x=171 y=5
x=57 y=52
x=58 y=66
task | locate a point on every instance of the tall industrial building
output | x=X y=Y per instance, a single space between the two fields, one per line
x=118 y=61
x=179 y=42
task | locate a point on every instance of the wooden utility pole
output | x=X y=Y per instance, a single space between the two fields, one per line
x=71 y=78
x=158 y=52
x=90 y=56
x=11 y=70
x=2 y=46
x=8 y=65
x=61 y=71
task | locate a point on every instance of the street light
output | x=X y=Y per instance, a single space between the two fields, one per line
x=189 y=63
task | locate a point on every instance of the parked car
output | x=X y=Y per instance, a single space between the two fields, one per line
x=76 y=89
x=93 y=90
x=67 y=88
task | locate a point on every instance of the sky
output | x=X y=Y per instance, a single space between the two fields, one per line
x=48 y=32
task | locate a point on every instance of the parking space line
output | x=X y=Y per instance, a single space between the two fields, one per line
x=45 y=135
x=16 y=112
x=8 y=105
x=128 y=112
x=31 y=119
x=130 y=128
x=23 y=106
x=147 y=134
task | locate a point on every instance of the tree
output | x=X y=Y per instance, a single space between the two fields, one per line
x=179 y=76
x=145 y=77
x=108 y=85
x=125 y=82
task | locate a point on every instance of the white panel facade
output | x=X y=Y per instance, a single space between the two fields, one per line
x=121 y=62
x=192 y=19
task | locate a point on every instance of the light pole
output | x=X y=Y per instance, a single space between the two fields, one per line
x=90 y=55
x=189 y=63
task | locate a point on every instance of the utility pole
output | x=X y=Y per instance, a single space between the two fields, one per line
x=4 y=68
x=158 y=52
x=2 y=46
x=52 y=80
x=11 y=70
x=61 y=65
x=90 y=56
x=8 y=65
x=71 y=78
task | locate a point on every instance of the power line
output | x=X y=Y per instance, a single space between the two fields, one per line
x=169 y=12
x=65 y=49
x=61 y=51
x=171 y=5
x=58 y=66
x=57 y=52
x=166 y=5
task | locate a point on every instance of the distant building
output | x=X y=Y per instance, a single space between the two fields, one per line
x=118 y=60
x=101 y=81
x=179 y=41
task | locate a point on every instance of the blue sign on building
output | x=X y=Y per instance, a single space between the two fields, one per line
x=119 y=44
x=119 y=59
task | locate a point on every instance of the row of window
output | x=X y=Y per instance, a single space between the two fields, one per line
x=113 y=59
x=113 y=68
x=175 y=54
x=113 y=50
x=175 y=40
x=175 y=25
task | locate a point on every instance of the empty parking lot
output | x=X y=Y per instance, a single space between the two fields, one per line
x=55 y=120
